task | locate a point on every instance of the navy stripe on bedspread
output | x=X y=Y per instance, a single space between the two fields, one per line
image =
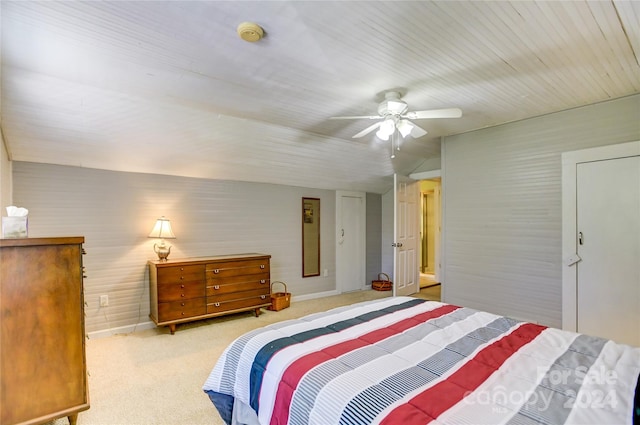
x=636 y=404
x=265 y=354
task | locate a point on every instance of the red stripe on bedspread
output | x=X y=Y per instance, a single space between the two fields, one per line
x=294 y=373
x=432 y=402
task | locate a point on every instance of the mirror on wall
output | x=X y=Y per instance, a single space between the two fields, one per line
x=310 y=237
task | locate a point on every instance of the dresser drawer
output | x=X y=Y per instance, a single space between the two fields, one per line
x=237 y=295
x=181 y=309
x=222 y=306
x=213 y=279
x=235 y=268
x=237 y=283
x=178 y=274
x=179 y=291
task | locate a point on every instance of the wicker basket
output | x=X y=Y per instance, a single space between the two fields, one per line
x=382 y=284
x=279 y=300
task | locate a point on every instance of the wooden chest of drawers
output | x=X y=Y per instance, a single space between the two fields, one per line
x=190 y=289
x=42 y=341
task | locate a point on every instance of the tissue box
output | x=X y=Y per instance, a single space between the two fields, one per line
x=14 y=227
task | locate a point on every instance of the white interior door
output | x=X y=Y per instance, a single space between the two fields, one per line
x=608 y=224
x=350 y=240
x=406 y=235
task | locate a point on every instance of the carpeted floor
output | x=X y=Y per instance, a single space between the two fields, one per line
x=153 y=377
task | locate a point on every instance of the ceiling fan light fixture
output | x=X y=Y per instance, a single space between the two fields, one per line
x=387 y=127
x=405 y=127
x=394 y=114
x=380 y=134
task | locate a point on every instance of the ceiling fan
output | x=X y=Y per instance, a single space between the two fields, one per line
x=394 y=119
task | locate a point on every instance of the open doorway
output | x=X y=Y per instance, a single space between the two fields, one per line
x=430 y=194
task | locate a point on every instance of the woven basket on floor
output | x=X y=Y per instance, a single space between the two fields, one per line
x=382 y=284
x=279 y=300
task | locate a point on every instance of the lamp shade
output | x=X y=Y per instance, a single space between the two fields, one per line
x=162 y=229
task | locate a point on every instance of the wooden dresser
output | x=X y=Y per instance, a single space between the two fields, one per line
x=42 y=352
x=191 y=289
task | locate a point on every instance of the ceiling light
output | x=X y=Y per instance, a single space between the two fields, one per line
x=382 y=135
x=405 y=127
x=387 y=127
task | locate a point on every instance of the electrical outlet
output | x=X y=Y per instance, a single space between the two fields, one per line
x=104 y=300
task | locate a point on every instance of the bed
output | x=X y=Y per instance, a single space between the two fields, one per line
x=403 y=360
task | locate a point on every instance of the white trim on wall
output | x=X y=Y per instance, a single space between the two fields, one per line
x=426 y=175
x=6 y=186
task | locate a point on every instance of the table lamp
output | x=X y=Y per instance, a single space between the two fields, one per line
x=162 y=230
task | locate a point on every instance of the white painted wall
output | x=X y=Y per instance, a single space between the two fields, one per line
x=115 y=212
x=502 y=207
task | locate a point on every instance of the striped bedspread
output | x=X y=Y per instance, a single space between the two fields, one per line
x=402 y=360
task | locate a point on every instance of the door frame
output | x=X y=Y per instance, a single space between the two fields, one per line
x=439 y=212
x=425 y=235
x=570 y=161
x=341 y=262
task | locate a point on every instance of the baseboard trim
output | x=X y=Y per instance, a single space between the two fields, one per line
x=121 y=330
x=315 y=295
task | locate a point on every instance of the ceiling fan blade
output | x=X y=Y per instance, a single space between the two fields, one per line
x=434 y=113
x=367 y=130
x=417 y=131
x=363 y=117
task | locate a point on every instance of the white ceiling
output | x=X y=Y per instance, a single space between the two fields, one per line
x=169 y=87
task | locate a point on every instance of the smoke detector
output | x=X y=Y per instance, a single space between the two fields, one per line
x=248 y=31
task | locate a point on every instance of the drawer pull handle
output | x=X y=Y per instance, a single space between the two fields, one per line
x=216 y=271
x=182 y=295
x=263 y=296
x=182 y=304
x=262 y=281
x=182 y=286
x=216 y=287
x=181 y=269
x=183 y=313
x=217 y=304
x=262 y=266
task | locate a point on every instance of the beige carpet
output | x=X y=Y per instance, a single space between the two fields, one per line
x=153 y=377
